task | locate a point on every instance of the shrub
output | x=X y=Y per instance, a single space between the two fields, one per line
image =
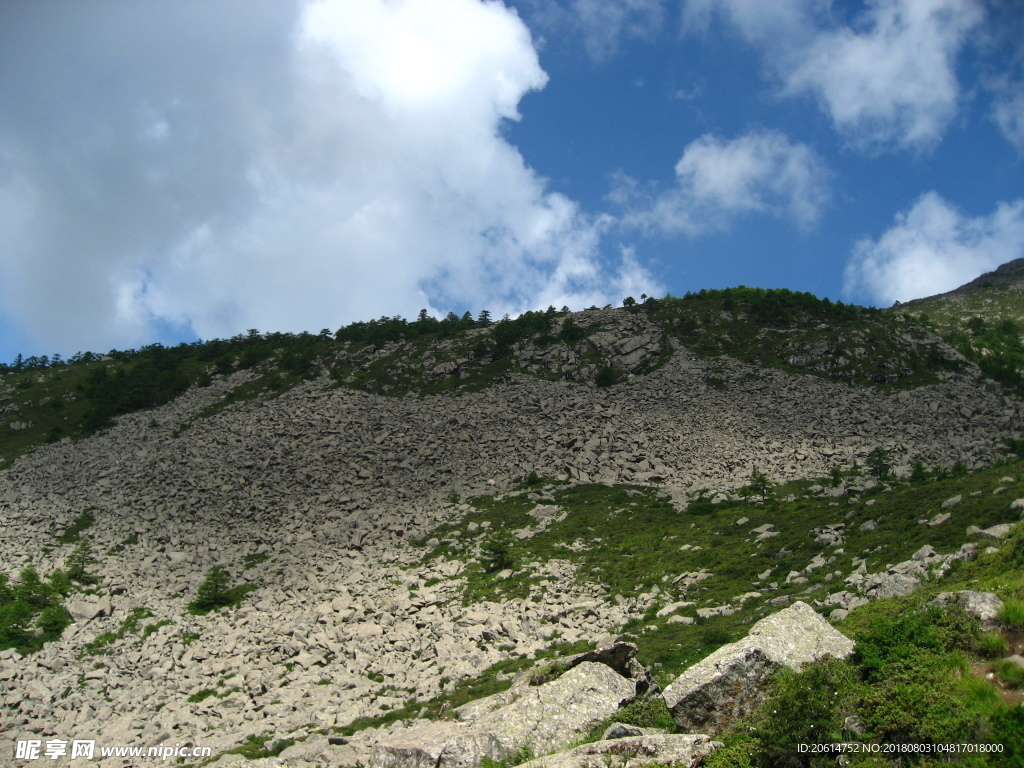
x=31 y=590
x=647 y=713
x=52 y=621
x=606 y=376
x=918 y=473
x=30 y=610
x=917 y=702
x=760 y=484
x=1007 y=727
x=807 y=707
x=891 y=640
x=737 y=754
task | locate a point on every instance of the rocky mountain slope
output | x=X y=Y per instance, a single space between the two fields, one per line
x=993 y=296
x=356 y=505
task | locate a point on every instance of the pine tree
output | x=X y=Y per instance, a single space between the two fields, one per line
x=79 y=563
x=759 y=483
x=879 y=464
x=214 y=592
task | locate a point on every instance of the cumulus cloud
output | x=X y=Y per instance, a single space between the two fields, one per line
x=896 y=80
x=933 y=248
x=717 y=180
x=886 y=79
x=212 y=167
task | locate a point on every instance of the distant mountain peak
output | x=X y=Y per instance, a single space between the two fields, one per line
x=1010 y=273
x=993 y=296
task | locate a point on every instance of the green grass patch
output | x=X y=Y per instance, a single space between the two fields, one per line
x=1011 y=615
x=74 y=531
x=130 y=541
x=632 y=539
x=202 y=695
x=151 y=629
x=1010 y=673
x=257 y=748
x=495 y=679
x=129 y=626
x=251 y=561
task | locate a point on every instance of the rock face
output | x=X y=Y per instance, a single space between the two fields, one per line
x=525 y=720
x=631 y=752
x=732 y=681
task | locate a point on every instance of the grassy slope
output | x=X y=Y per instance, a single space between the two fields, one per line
x=628 y=539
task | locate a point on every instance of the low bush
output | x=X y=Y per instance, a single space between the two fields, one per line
x=1008 y=731
x=917 y=702
x=647 y=713
x=807 y=707
x=889 y=640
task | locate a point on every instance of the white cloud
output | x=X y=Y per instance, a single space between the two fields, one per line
x=933 y=248
x=894 y=82
x=606 y=22
x=887 y=79
x=1008 y=111
x=717 y=181
x=224 y=166
x=1003 y=58
x=603 y=24
x=759 y=22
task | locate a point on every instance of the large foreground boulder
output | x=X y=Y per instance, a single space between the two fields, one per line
x=523 y=721
x=681 y=750
x=733 y=680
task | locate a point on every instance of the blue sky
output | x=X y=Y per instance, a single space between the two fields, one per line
x=173 y=171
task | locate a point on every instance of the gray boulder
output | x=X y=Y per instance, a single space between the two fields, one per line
x=88 y=609
x=733 y=680
x=620 y=657
x=888 y=584
x=666 y=749
x=995 y=533
x=437 y=744
x=526 y=719
x=984 y=605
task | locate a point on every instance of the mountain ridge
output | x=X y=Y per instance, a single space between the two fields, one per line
x=358 y=519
